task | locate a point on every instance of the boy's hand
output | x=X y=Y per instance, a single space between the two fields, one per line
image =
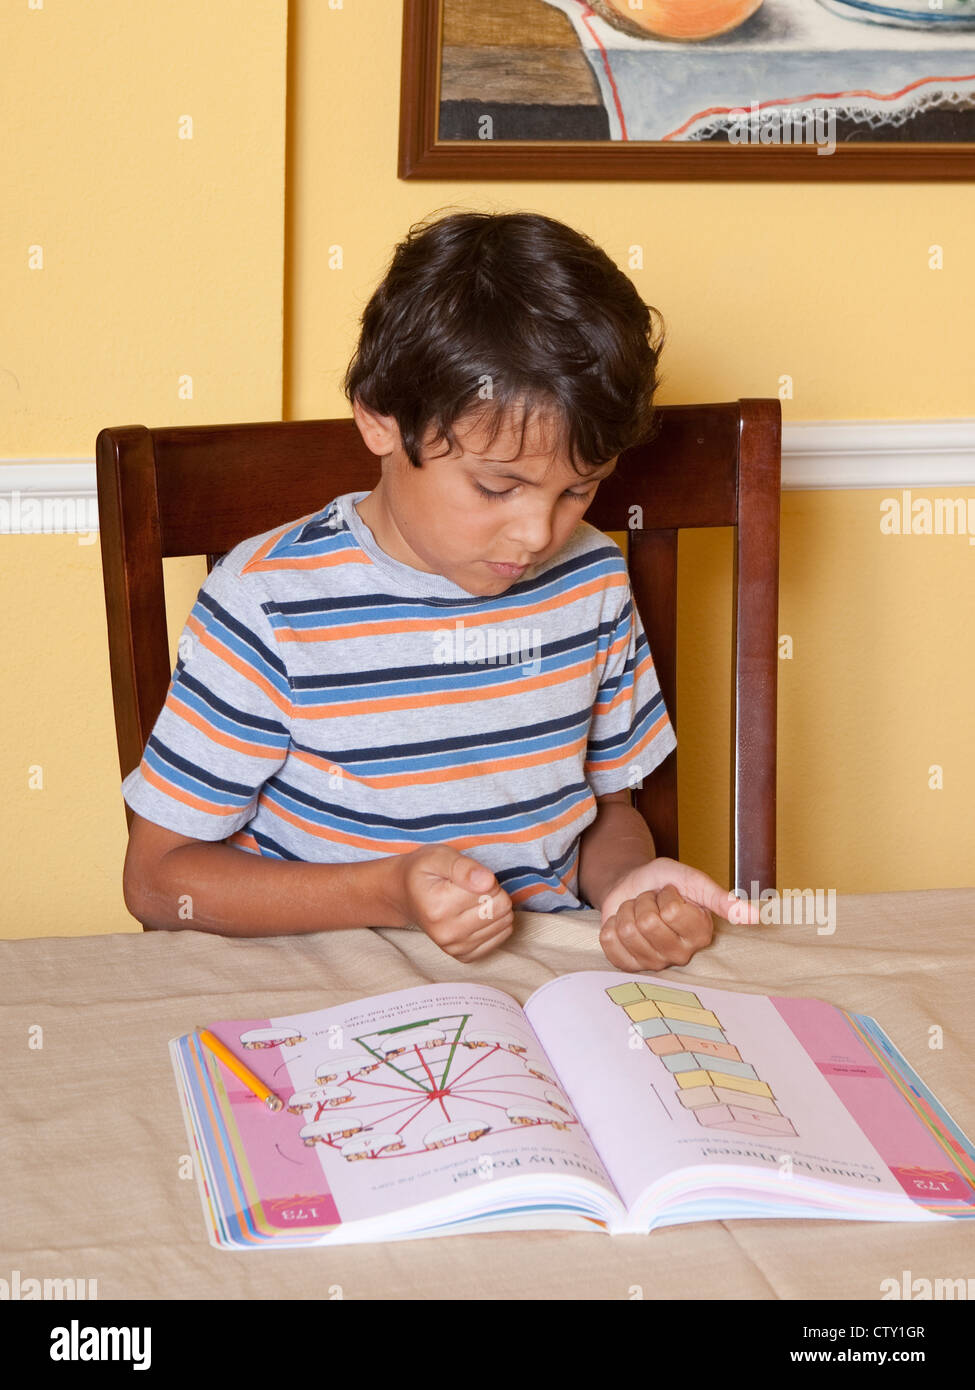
x=659 y=914
x=457 y=901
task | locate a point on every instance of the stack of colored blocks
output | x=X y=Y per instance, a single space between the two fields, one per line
x=723 y=1091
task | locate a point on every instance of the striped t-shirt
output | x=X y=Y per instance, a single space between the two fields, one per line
x=331 y=704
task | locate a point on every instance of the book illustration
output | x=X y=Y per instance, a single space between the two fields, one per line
x=337 y=1068
x=482 y=1039
x=330 y=1130
x=317 y=1098
x=271 y=1037
x=455 y=1131
x=713 y=1081
x=422 y=1085
x=556 y=1103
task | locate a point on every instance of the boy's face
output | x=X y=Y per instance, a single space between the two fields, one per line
x=437 y=519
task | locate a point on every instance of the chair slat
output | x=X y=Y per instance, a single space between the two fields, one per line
x=652 y=569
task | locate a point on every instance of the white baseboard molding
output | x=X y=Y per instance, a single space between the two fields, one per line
x=58 y=495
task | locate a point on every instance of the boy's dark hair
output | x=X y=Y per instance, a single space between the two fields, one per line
x=524 y=303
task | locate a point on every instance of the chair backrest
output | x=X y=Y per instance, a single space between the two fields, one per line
x=199 y=490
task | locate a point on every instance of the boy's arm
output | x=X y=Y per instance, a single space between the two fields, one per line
x=617 y=841
x=175 y=882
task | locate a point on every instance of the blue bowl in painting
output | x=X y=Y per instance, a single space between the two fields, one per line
x=911 y=14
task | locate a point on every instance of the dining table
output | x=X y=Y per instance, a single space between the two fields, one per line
x=94 y=1179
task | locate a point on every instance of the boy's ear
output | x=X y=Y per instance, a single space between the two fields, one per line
x=380 y=433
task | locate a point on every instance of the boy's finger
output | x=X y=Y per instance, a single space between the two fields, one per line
x=619 y=954
x=480 y=929
x=677 y=929
x=696 y=887
x=639 y=925
x=743 y=912
x=445 y=862
x=468 y=873
x=484 y=948
x=498 y=904
x=690 y=922
x=670 y=903
x=664 y=940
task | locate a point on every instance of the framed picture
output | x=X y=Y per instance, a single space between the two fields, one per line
x=688 y=89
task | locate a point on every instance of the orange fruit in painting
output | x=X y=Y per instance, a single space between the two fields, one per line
x=682 y=20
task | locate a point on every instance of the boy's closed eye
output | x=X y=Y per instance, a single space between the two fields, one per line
x=509 y=492
x=582 y=491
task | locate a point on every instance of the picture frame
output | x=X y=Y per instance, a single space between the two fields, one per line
x=497 y=85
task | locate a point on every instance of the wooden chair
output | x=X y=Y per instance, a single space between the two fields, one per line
x=199 y=490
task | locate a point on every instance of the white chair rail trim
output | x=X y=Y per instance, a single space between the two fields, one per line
x=58 y=495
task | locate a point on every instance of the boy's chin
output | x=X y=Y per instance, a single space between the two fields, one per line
x=495 y=583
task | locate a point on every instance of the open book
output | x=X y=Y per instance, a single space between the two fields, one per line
x=608 y=1102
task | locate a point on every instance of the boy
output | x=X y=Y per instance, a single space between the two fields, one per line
x=355 y=734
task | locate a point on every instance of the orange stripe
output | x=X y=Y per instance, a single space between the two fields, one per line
x=398 y=625
x=244 y=840
x=523 y=895
x=534 y=832
x=633 y=753
x=272 y=541
x=215 y=735
x=626 y=694
x=441 y=776
x=178 y=794
x=615 y=647
x=535 y=890
x=310 y=562
x=436 y=698
x=231 y=659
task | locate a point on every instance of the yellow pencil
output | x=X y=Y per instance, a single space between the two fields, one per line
x=252 y=1082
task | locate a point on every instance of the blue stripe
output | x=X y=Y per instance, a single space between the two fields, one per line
x=241 y=640
x=645 y=719
x=380 y=607
x=253 y=728
x=550 y=733
x=491 y=820
x=426 y=677
x=196 y=780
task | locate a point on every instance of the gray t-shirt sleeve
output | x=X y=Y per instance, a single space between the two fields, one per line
x=224 y=729
x=630 y=732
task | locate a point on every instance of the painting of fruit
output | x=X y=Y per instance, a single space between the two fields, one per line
x=687 y=21
x=683 y=83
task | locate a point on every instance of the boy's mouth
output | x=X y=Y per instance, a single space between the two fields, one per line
x=513 y=570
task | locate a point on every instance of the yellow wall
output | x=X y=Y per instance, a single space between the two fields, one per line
x=163 y=257
x=162 y=260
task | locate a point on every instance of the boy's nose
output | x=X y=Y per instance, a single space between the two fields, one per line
x=530 y=538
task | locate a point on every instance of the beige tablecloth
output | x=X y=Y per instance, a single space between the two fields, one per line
x=92 y=1135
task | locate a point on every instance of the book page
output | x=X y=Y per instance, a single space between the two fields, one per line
x=665 y=1076
x=394 y=1101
